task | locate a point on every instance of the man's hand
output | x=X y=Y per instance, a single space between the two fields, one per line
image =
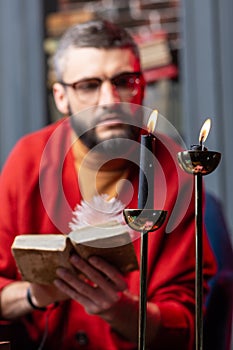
x=98 y=291
x=103 y=291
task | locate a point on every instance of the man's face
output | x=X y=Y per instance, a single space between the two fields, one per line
x=107 y=118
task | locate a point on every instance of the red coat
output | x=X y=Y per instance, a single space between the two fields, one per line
x=38 y=194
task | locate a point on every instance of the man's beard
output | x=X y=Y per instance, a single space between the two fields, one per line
x=85 y=125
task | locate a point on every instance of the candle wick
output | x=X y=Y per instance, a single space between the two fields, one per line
x=201 y=143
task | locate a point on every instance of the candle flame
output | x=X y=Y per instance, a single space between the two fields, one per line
x=205 y=130
x=152 y=121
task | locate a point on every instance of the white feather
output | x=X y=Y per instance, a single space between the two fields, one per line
x=99 y=210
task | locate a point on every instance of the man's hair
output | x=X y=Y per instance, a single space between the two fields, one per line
x=99 y=34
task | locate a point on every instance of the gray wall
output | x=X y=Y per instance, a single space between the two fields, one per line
x=22 y=102
x=207 y=80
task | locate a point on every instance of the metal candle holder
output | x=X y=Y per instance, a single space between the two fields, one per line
x=199 y=162
x=144 y=221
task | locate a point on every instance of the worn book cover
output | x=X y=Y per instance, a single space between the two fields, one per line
x=38 y=255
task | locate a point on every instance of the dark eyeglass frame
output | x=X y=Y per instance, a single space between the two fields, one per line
x=114 y=81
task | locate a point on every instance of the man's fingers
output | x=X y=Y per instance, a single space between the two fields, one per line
x=90 y=307
x=103 y=274
x=91 y=297
x=95 y=284
x=110 y=271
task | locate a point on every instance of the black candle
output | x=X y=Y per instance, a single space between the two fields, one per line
x=146 y=174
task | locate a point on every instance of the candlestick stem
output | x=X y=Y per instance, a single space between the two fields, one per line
x=143 y=291
x=199 y=262
x=144 y=221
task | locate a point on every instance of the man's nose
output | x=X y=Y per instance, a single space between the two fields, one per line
x=108 y=93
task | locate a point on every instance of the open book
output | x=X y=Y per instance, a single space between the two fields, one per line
x=38 y=255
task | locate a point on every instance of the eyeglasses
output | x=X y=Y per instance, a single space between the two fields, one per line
x=126 y=84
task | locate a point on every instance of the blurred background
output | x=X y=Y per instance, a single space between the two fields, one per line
x=187 y=54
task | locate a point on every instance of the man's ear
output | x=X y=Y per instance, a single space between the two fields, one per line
x=60 y=98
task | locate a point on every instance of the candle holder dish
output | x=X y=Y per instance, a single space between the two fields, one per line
x=144 y=220
x=201 y=162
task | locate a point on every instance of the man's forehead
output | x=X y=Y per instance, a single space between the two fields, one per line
x=88 y=53
x=92 y=61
